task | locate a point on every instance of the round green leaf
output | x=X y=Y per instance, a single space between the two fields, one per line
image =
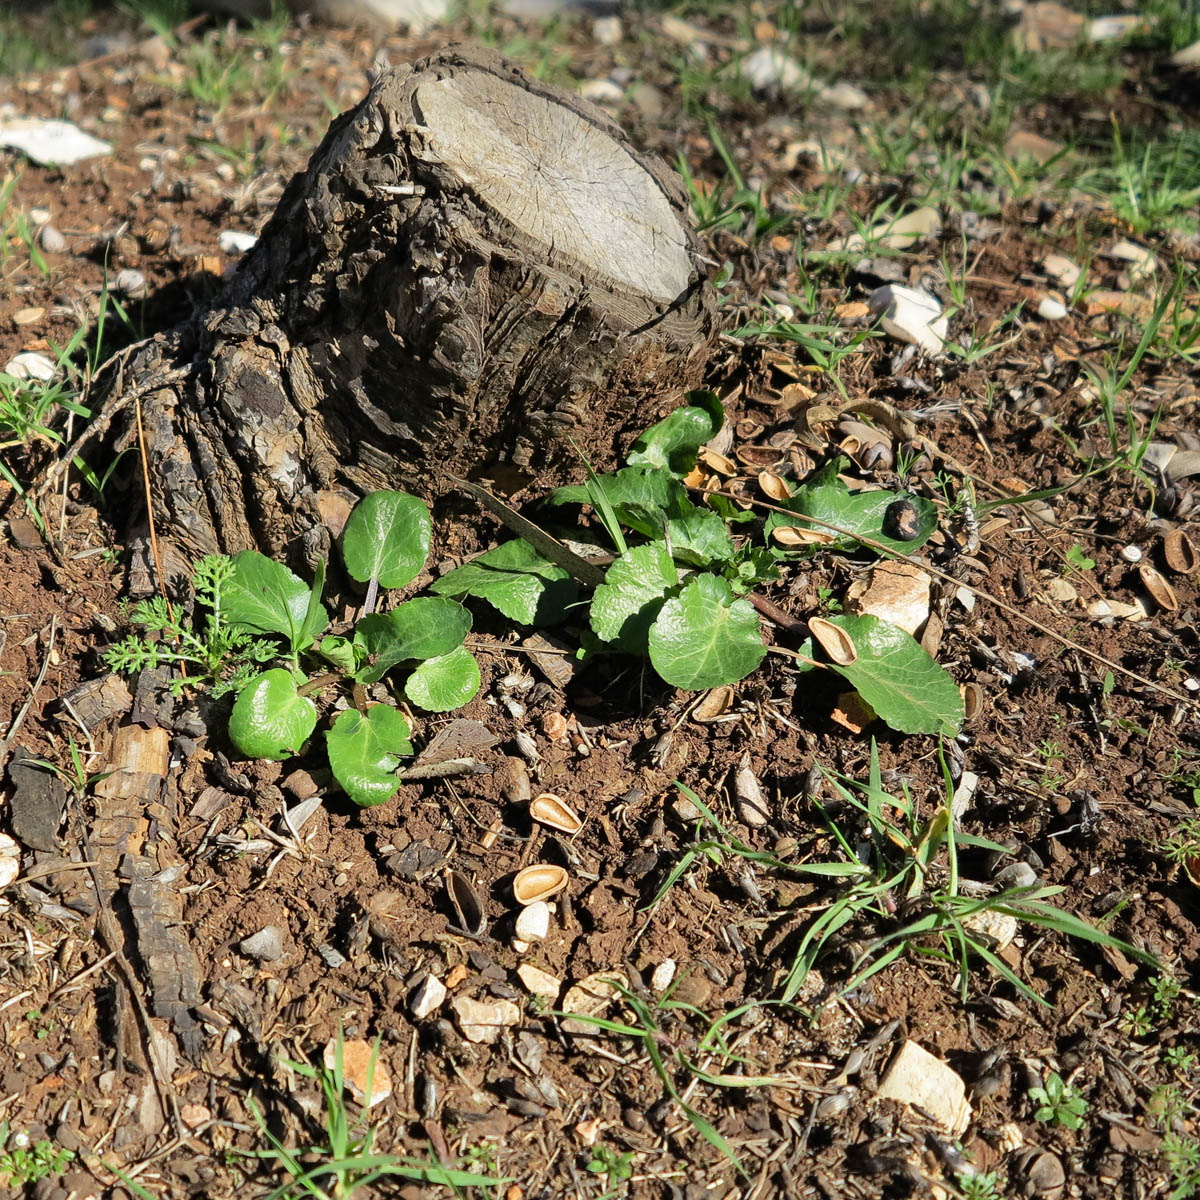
x=387 y=538
x=907 y=688
x=412 y=632
x=444 y=683
x=625 y=604
x=269 y=719
x=515 y=579
x=703 y=638
x=364 y=752
x=264 y=596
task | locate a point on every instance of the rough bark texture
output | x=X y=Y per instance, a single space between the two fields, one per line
x=473 y=267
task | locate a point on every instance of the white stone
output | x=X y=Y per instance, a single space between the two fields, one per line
x=1061 y=269
x=266 y=945
x=607 y=31
x=52 y=240
x=533 y=922
x=601 y=91
x=538 y=982
x=30 y=365
x=10 y=860
x=916 y=1078
x=1189 y=56
x=484 y=1021
x=768 y=67
x=1109 y=29
x=912 y=227
x=663 y=974
x=592 y=996
x=51 y=143
x=845 y=96
x=911 y=316
x=427 y=997
x=234 y=241
x=130 y=283
x=1050 y=309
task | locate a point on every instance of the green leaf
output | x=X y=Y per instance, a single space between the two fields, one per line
x=625 y=605
x=444 y=683
x=387 y=538
x=907 y=689
x=364 y=752
x=673 y=442
x=703 y=638
x=413 y=631
x=515 y=579
x=269 y=719
x=827 y=498
x=652 y=503
x=341 y=652
x=265 y=597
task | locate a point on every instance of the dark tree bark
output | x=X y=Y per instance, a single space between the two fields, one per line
x=474 y=267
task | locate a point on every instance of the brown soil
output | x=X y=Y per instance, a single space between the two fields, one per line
x=1084 y=779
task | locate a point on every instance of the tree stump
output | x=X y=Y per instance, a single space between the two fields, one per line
x=474 y=267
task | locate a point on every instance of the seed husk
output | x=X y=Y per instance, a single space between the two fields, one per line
x=834 y=640
x=552 y=810
x=773 y=486
x=539 y=882
x=972 y=695
x=1161 y=592
x=794 y=535
x=467 y=903
x=761 y=457
x=717 y=462
x=1180 y=553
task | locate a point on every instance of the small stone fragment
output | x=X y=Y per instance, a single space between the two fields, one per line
x=359 y=1061
x=484 y=1021
x=539 y=982
x=36 y=804
x=768 y=67
x=1051 y=309
x=427 y=997
x=1022 y=143
x=28 y=316
x=1189 y=56
x=266 y=945
x=662 y=976
x=10 y=860
x=50 y=142
x=1061 y=269
x=911 y=316
x=901 y=233
x=234 y=241
x=592 y=996
x=918 y=1079
x=195 y=1115
x=607 y=31
x=30 y=365
x=601 y=91
x=52 y=241
x=533 y=922
x=130 y=284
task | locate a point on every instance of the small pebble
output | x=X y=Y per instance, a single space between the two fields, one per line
x=533 y=922
x=266 y=945
x=607 y=31
x=30 y=365
x=1050 y=309
x=52 y=241
x=233 y=241
x=1015 y=875
x=130 y=283
x=427 y=997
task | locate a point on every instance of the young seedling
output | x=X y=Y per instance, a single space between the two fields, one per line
x=1058 y=1103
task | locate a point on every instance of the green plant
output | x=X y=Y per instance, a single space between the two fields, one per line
x=259 y=612
x=1058 y=1103
x=24 y=1162
x=616 y=1166
x=910 y=888
x=678 y=597
x=345 y=1159
x=981 y=1185
x=1180 y=1059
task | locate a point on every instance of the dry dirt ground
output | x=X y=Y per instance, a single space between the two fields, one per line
x=1081 y=753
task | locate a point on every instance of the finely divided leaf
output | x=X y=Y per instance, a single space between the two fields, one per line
x=444 y=683
x=907 y=689
x=827 y=498
x=387 y=538
x=413 y=631
x=515 y=579
x=364 y=752
x=265 y=597
x=625 y=604
x=703 y=638
x=269 y=719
